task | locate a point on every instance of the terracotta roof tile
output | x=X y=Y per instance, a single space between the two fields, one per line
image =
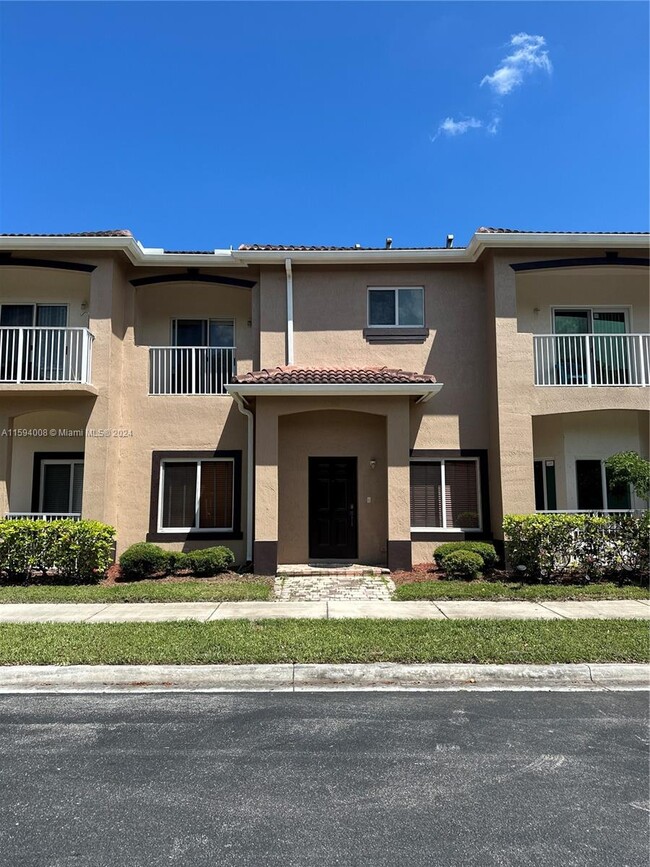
x=491 y=230
x=298 y=248
x=332 y=375
x=108 y=233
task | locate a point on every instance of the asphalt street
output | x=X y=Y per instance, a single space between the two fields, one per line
x=446 y=779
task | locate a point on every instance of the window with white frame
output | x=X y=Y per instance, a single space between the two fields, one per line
x=445 y=494
x=395 y=306
x=196 y=495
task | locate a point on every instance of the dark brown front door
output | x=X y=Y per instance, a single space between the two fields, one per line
x=332 y=508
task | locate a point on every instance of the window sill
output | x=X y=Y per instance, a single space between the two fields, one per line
x=194 y=536
x=421 y=534
x=383 y=334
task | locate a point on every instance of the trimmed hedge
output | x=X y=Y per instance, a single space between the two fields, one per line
x=205 y=562
x=146 y=560
x=76 y=551
x=591 y=546
x=463 y=565
x=485 y=551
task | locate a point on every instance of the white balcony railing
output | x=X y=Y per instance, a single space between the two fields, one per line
x=45 y=355
x=43 y=516
x=190 y=369
x=592 y=359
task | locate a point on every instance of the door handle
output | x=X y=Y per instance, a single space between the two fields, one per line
x=352 y=516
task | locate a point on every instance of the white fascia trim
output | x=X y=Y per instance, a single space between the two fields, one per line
x=479 y=242
x=136 y=253
x=424 y=391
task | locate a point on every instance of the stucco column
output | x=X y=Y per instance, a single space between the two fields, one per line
x=6 y=422
x=265 y=548
x=101 y=461
x=514 y=373
x=399 y=494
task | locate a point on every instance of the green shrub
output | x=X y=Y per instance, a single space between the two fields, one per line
x=74 y=551
x=485 y=550
x=176 y=561
x=592 y=546
x=144 y=560
x=462 y=564
x=205 y=562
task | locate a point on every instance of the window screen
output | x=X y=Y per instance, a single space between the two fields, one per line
x=461 y=496
x=179 y=494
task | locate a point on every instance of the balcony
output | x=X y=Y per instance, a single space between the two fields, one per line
x=592 y=359
x=190 y=369
x=43 y=516
x=45 y=355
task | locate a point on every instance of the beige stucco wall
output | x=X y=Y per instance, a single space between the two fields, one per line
x=332 y=434
x=24 y=447
x=591 y=435
x=481 y=320
x=26 y=285
x=539 y=291
x=343 y=423
x=158 y=304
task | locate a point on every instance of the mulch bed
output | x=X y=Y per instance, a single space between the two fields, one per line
x=113 y=576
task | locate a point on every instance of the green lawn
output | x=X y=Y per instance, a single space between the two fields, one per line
x=141 y=591
x=514 y=590
x=268 y=641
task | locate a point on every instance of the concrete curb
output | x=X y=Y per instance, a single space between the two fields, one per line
x=321 y=678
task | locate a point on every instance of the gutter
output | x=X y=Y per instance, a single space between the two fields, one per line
x=423 y=391
x=287 y=268
x=250 y=469
x=148 y=256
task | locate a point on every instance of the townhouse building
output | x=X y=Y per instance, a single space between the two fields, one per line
x=310 y=404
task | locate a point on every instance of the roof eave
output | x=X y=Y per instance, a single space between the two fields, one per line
x=424 y=390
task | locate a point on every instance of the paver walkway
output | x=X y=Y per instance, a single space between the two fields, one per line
x=325 y=609
x=318 y=586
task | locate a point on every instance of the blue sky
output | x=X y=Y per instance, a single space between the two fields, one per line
x=201 y=125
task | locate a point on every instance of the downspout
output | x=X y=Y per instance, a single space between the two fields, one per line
x=241 y=406
x=287 y=268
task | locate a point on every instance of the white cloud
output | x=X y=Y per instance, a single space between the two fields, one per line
x=529 y=54
x=452 y=127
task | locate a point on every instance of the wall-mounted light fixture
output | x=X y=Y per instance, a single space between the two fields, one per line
x=373 y=463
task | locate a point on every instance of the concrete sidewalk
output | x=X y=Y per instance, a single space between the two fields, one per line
x=140 y=612
x=323 y=677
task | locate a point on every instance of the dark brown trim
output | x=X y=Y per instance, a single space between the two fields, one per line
x=39 y=457
x=192 y=275
x=379 y=334
x=194 y=535
x=265 y=558
x=484 y=477
x=22 y=262
x=399 y=555
x=590 y=261
x=449 y=536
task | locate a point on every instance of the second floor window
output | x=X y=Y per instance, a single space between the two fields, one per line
x=396 y=306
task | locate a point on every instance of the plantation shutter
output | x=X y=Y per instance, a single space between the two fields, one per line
x=461 y=495
x=426 y=495
x=56 y=488
x=215 y=508
x=179 y=494
x=77 y=486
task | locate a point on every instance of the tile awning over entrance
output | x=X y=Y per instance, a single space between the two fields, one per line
x=366 y=381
